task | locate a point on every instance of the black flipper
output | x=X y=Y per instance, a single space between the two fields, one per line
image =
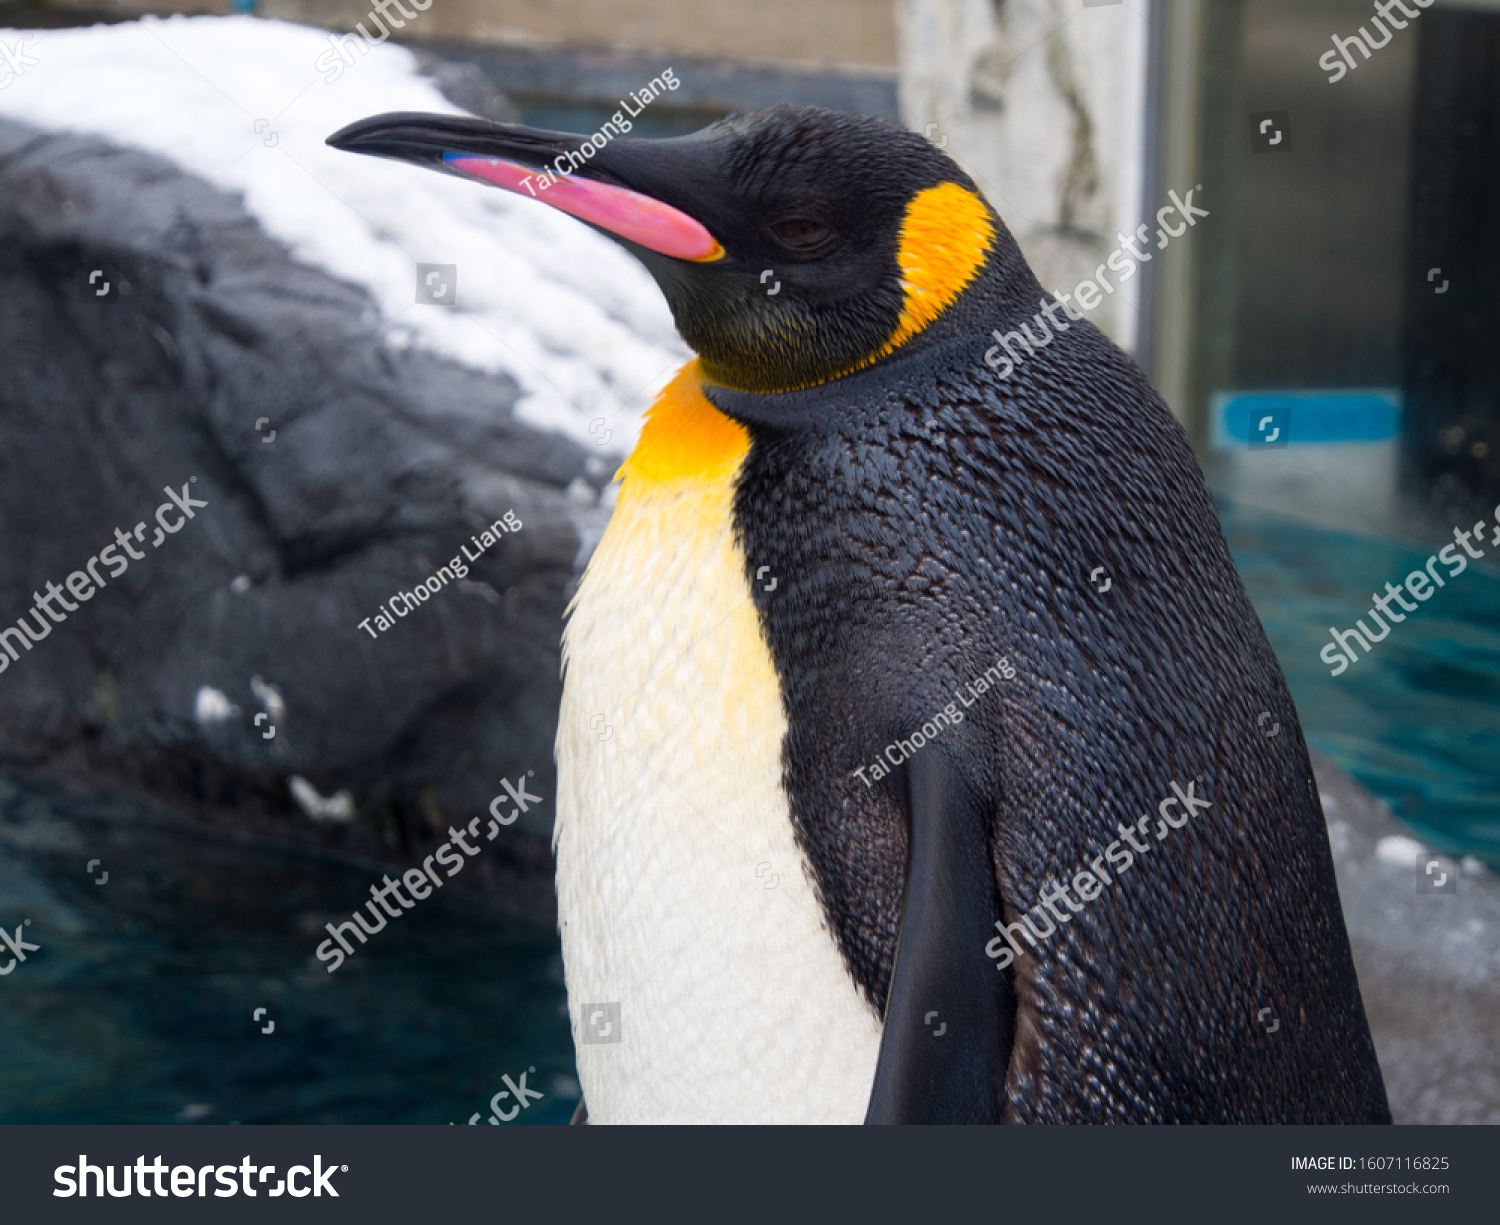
x=949 y=1014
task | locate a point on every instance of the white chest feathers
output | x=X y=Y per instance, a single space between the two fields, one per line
x=683 y=898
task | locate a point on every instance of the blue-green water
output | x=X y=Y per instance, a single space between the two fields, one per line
x=139 y=1005
x=1418 y=719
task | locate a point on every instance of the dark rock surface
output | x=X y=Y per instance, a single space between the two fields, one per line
x=1428 y=964
x=383 y=463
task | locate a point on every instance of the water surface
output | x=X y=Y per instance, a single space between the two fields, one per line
x=1418 y=719
x=139 y=1007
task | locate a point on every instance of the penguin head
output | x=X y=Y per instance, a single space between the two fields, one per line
x=794 y=245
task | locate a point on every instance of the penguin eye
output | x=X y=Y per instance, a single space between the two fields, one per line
x=802 y=234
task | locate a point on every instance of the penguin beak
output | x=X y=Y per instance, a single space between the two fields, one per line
x=610 y=188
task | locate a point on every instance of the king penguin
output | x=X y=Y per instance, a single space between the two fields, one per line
x=891 y=655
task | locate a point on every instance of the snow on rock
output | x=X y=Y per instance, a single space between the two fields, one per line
x=1399 y=851
x=237 y=100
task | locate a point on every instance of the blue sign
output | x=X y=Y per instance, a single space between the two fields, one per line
x=1260 y=419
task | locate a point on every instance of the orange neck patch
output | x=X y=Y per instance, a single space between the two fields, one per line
x=685 y=438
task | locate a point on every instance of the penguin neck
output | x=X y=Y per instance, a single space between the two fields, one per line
x=1004 y=293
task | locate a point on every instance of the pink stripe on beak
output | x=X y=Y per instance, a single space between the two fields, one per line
x=637 y=218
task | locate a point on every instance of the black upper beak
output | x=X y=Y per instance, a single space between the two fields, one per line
x=410 y=136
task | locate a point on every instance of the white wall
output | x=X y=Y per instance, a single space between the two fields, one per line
x=1043 y=103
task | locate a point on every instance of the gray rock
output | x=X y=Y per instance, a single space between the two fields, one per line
x=1428 y=964
x=384 y=462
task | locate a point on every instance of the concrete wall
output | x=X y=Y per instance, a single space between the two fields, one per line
x=1042 y=102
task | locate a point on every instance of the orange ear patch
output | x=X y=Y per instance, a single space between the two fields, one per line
x=945 y=237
